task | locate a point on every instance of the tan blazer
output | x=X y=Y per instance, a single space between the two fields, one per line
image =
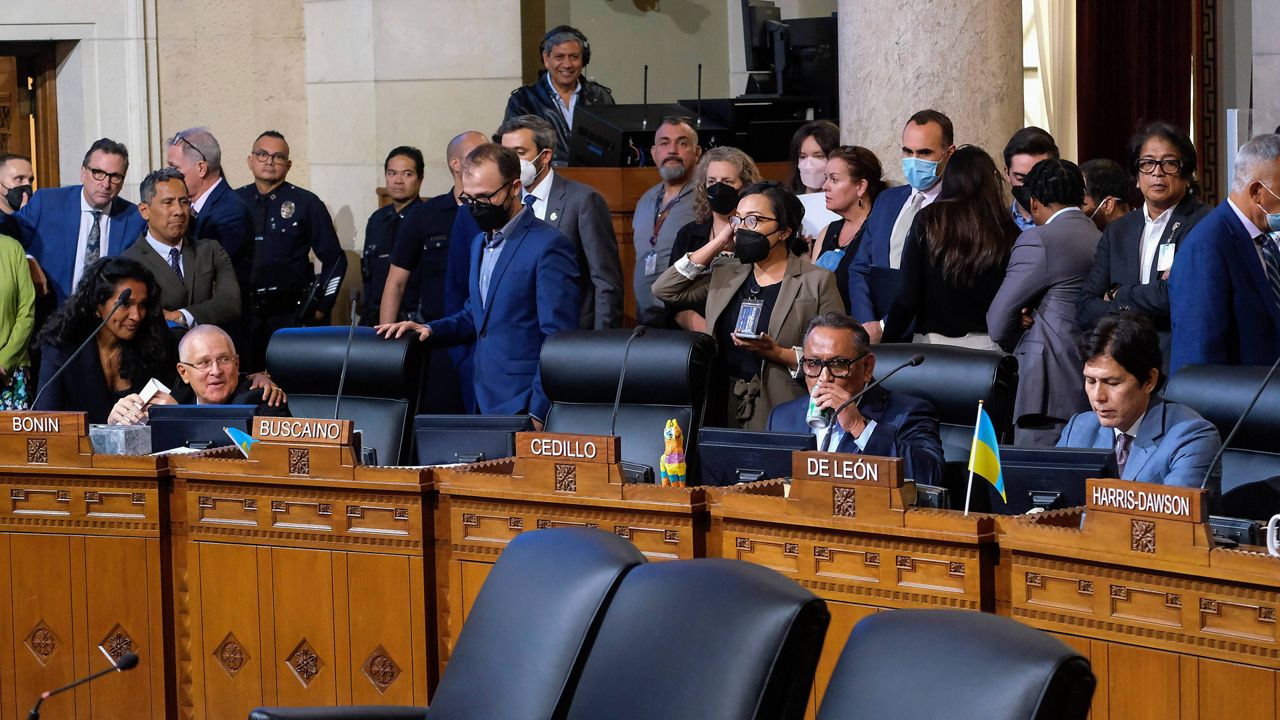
x=807 y=290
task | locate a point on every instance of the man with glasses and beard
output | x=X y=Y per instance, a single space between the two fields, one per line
x=837 y=364
x=523 y=289
x=662 y=211
x=67 y=229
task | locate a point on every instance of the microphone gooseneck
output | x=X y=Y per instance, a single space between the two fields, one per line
x=128 y=661
x=622 y=376
x=346 y=357
x=1239 y=421
x=913 y=361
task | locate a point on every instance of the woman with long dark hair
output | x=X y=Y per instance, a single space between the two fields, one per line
x=757 y=308
x=954 y=257
x=811 y=145
x=131 y=348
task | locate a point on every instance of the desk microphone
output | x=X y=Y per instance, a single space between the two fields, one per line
x=835 y=416
x=699 y=111
x=128 y=661
x=125 y=294
x=1235 y=428
x=622 y=376
x=346 y=357
x=644 y=124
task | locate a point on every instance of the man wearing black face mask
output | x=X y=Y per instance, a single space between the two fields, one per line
x=523 y=289
x=577 y=211
x=16 y=176
x=1027 y=147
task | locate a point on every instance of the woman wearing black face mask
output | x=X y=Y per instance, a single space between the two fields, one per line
x=720 y=175
x=756 y=307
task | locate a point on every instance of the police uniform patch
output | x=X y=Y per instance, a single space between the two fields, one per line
x=286 y=209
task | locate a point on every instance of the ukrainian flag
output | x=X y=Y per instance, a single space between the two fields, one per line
x=243 y=440
x=984 y=457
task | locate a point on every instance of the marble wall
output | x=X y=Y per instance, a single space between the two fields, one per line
x=962 y=57
x=1265 y=20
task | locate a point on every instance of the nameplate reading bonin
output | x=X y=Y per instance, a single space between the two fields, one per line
x=42 y=423
x=302 y=430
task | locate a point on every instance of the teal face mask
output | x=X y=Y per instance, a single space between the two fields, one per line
x=920 y=174
x=1273 y=219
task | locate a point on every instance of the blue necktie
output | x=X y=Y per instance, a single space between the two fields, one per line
x=175 y=255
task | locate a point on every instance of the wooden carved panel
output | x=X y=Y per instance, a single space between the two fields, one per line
x=231 y=655
x=566 y=477
x=380 y=669
x=37 y=451
x=770 y=552
x=842 y=502
x=116 y=644
x=304 y=663
x=299 y=461
x=929 y=574
x=42 y=642
x=1238 y=619
x=1060 y=591
x=846 y=564
x=1136 y=604
x=1142 y=536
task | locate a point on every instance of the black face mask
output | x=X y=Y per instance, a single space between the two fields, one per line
x=722 y=197
x=14 y=195
x=750 y=246
x=1022 y=194
x=488 y=216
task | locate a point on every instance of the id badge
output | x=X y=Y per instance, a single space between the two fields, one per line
x=748 y=324
x=1164 y=256
x=651 y=263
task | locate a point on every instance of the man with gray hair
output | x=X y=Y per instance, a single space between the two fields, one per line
x=577 y=211
x=217 y=213
x=1224 y=289
x=662 y=211
x=197 y=281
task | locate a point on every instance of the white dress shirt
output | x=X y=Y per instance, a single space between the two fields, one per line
x=197 y=204
x=917 y=200
x=540 y=193
x=1253 y=230
x=86 y=222
x=163 y=251
x=837 y=434
x=1152 y=231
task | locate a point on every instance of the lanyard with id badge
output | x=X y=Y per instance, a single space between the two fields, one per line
x=748 y=324
x=1165 y=251
x=659 y=217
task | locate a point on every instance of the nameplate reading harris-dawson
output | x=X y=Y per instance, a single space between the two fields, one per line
x=1149 y=499
x=304 y=430
x=42 y=423
x=561 y=446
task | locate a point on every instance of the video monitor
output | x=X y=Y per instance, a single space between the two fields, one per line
x=196 y=426
x=1048 y=478
x=448 y=439
x=729 y=456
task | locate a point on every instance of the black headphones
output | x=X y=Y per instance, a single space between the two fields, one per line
x=570 y=30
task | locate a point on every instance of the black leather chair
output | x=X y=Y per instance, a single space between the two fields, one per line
x=381 y=391
x=954 y=379
x=1251 y=464
x=703 y=640
x=667 y=377
x=955 y=664
x=522 y=648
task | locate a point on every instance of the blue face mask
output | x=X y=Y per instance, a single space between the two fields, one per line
x=1273 y=219
x=920 y=174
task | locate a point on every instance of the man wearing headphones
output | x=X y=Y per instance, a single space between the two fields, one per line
x=560 y=88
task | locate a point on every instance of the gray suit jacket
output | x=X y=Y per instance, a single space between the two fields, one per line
x=581 y=214
x=1046 y=269
x=1174 y=445
x=208 y=290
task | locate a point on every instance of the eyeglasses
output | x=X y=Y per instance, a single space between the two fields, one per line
x=100 y=175
x=485 y=199
x=179 y=139
x=839 y=367
x=263 y=156
x=1147 y=166
x=749 y=222
x=205 y=365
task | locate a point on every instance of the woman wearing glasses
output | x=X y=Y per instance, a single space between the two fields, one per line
x=131 y=348
x=757 y=308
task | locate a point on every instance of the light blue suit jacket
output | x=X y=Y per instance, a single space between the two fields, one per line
x=1174 y=445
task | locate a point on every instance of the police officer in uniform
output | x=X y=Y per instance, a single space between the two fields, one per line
x=288 y=223
x=403 y=170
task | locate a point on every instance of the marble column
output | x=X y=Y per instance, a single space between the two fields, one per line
x=961 y=57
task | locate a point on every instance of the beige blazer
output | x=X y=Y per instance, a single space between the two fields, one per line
x=807 y=290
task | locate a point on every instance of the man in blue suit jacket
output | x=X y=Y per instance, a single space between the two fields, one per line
x=217 y=212
x=927 y=143
x=837 y=365
x=523 y=289
x=1155 y=441
x=57 y=226
x=1224 y=289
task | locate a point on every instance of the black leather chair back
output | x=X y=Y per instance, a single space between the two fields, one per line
x=525 y=639
x=381 y=391
x=1251 y=464
x=956 y=664
x=667 y=375
x=521 y=651
x=703 y=640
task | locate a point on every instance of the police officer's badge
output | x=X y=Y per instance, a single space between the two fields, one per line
x=286 y=209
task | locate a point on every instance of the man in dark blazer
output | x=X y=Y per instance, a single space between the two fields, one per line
x=1155 y=441
x=1135 y=253
x=197 y=281
x=837 y=364
x=928 y=140
x=66 y=229
x=217 y=212
x=1225 y=285
x=1046 y=270
x=523 y=289
x=577 y=211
